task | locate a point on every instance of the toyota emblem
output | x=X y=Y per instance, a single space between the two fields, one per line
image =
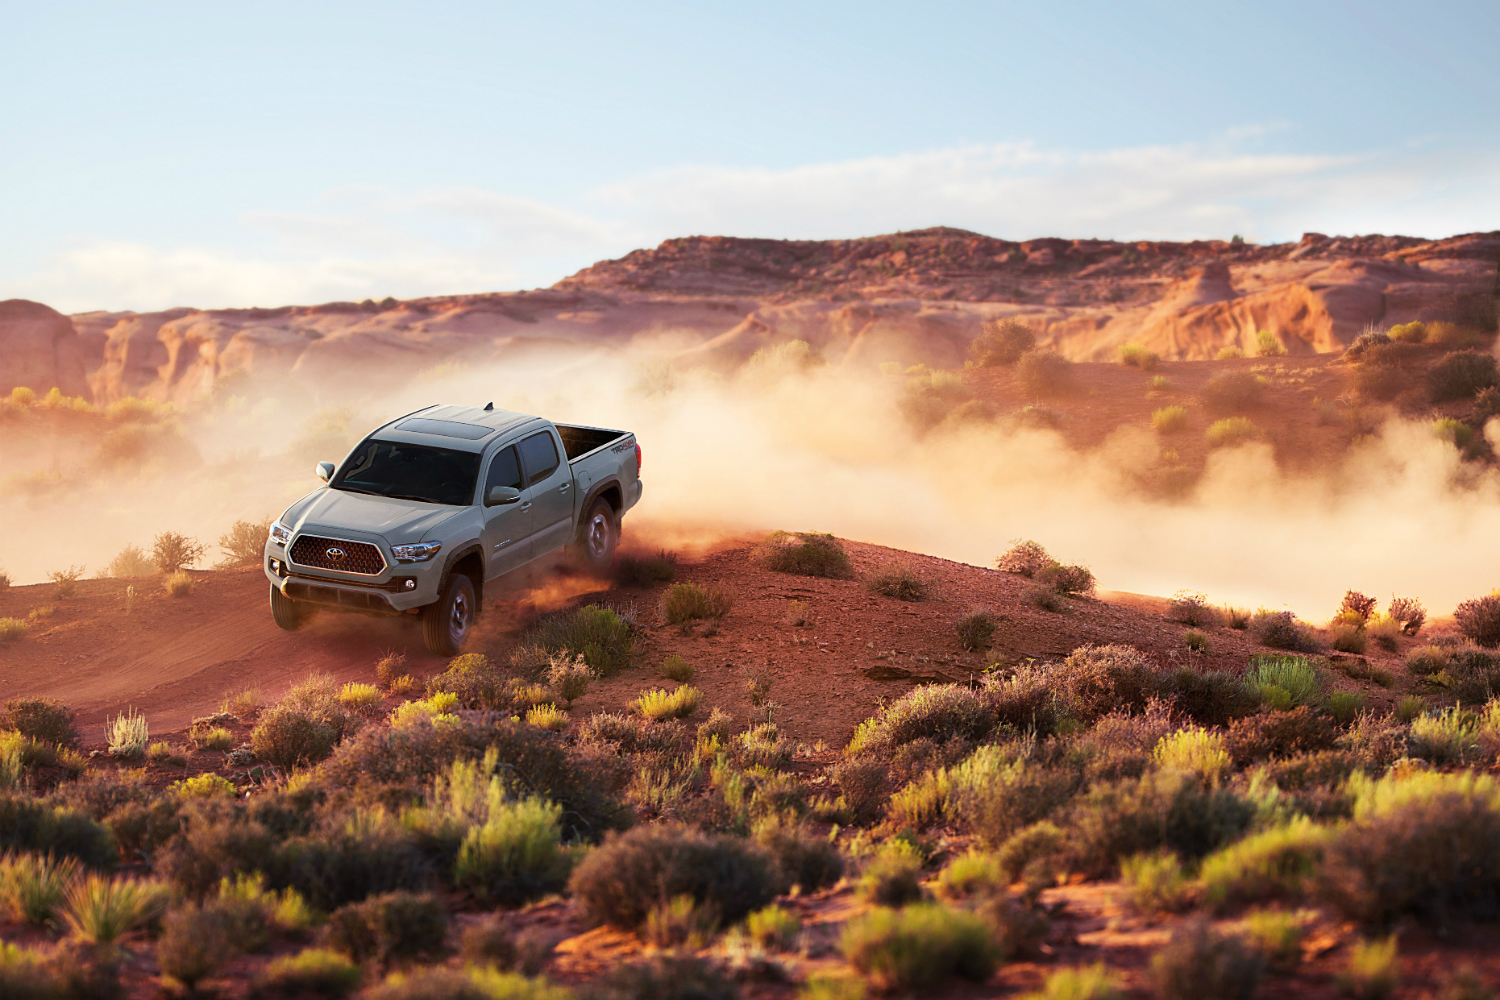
x=335 y=553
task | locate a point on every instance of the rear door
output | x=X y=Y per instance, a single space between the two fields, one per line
x=507 y=529
x=549 y=488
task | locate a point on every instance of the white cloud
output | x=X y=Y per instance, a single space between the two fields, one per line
x=364 y=240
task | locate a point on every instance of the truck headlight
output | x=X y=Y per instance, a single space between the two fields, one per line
x=420 y=552
x=280 y=533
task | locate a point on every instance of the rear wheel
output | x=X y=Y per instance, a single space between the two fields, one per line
x=446 y=625
x=289 y=614
x=597 y=537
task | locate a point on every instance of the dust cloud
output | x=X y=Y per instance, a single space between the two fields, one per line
x=731 y=456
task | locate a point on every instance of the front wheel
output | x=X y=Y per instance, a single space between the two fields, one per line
x=289 y=614
x=597 y=537
x=446 y=624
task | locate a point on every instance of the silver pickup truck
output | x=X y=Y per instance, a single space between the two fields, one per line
x=429 y=507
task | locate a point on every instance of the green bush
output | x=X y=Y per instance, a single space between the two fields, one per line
x=1023 y=557
x=290 y=738
x=604 y=639
x=1230 y=431
x=917 y=948
x=657 y=703
x=1091 y=983
x=313 y=972
x=1231 y=392
x=12 y=628
x=1194 y=750
x=477 y=680
x=1278 y=936
x=1460 y=375
x=686 y=602
x=1372 y=971
x=397 y=927
x=802 y=858
x=44 y=719
x=661 y=977
x=976 y=629
x=101 y=909
x=1199 y=962
x=805 y=554
x=935 y=711
x=893 y=877
x=33 y=886
x=1277 y=863
x=1001 y=342
x=972 y=873
x=515 y=855
x=992 y=794
x=774 y=927
x=1070 y=581
x=1210 y=697
x=193 y=945
x=28 y=824
x=621 y=880
x=1166 y=809
x=1284 y=682
x=1134 y=355
x=1447 y=737
x=1158 y=883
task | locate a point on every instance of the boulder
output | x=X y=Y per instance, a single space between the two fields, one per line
x=39 y=349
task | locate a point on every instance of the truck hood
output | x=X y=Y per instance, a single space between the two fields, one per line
x=399 y=522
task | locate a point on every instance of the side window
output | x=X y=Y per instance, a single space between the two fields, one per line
x=505 y=470
x=540 y=456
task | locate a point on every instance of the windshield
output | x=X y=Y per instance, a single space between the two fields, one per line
x=410 y=472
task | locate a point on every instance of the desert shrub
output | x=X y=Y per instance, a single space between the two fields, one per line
x=1043 y=373
x=203 y=786
x=658 y=703
x=774 y=927
x=312 y=972
x=1228 y=353
x=1093 y=982
x=33 y=886
x=1191 y=607
x=686 y=602
x=289 y=738
x=862 y=787
x=44 y=719
x=1377 y=381
x=178 y=584
x=1385 y=632
x=1267 y=345
x=516 y=853
x=1284 y=682
x=12 y=629
x=1195 y=750
x=805 y=554
x=171 y=552
x=646 y=571
x=1236 y=618
x=66 y=580
x=903 y=582
x=620 y=881
x=1357 y=605
x=127 y=734
x=1230 y=431
x=396 y=927
x=361 y=699
x=761 y=746
x=1170 y=420
x=661 y=977
x=1044 y=597
x=1277 y=863
x=244 y=543
x=1195 y=641
x=475 y=679
x=244 y=704
x=548 y=717
x=1278 y=935
x=1461 y=375
x=389 y=667
x=1230 y=392
x=802 y=858
x=1023 y=557
x=680 y=922
x=975 y=629
x=972 y=873
x=1344 y=706
x=1158 y=883
x=1372 y=971
x=1136 y=356
x=1096 y=680
x=102 y=909
x=569 y=678
x=1198 y=962
x=1347 y=638
x=1209 y=697
x=929 y=398
x=1001 y=342
x=1168 y=809
x=934 y=711
x=1479 y=619
x=917 y=948
x=1425 y=661
x=1409 y=612
x=1447 y=737
x=675 y=668
x=600 y=635
x=892 y=876
x=1069 y=580
x=993 y=794
x=194 y=943
x=1277 y=733
x=132 y=562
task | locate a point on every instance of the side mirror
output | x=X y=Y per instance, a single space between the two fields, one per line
x=499 y=496
x=325 y=471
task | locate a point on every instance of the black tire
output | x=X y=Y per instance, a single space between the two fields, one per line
x=598 y=535
x=446 y=625
x=288 y=614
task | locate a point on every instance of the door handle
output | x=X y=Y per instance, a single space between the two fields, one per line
x=526 y=505
x=563 y=488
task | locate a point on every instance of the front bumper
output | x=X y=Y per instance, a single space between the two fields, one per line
x=401 y=587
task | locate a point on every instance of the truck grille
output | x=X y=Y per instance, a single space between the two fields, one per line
x=337 y=554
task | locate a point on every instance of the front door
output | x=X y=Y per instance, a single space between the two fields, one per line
x=507 y=528
x=549 y=487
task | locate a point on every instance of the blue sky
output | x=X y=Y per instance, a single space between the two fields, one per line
x=231 y=155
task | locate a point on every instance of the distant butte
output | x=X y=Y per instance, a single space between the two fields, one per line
x=714 y=300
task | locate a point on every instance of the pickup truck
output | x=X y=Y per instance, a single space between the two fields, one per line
x=430 y=507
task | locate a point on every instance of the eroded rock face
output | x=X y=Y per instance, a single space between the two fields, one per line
x=916 y=297
x=39 y=349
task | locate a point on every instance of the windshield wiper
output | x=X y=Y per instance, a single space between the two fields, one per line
x=408 y=496
x=353 y=489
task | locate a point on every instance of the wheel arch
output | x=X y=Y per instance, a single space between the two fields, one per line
x=468 y=560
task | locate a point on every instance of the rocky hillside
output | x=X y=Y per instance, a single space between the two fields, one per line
x=909 y=297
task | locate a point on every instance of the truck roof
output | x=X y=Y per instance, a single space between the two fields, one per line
x=461 y=428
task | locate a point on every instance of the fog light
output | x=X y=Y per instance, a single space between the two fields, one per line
x=275 y=566
x=411 y=584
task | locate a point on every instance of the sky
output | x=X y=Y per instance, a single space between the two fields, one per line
x=212 y=154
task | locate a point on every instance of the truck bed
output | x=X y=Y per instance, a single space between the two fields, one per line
x=580 y=442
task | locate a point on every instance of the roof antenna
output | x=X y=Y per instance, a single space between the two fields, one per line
x=488 y=407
